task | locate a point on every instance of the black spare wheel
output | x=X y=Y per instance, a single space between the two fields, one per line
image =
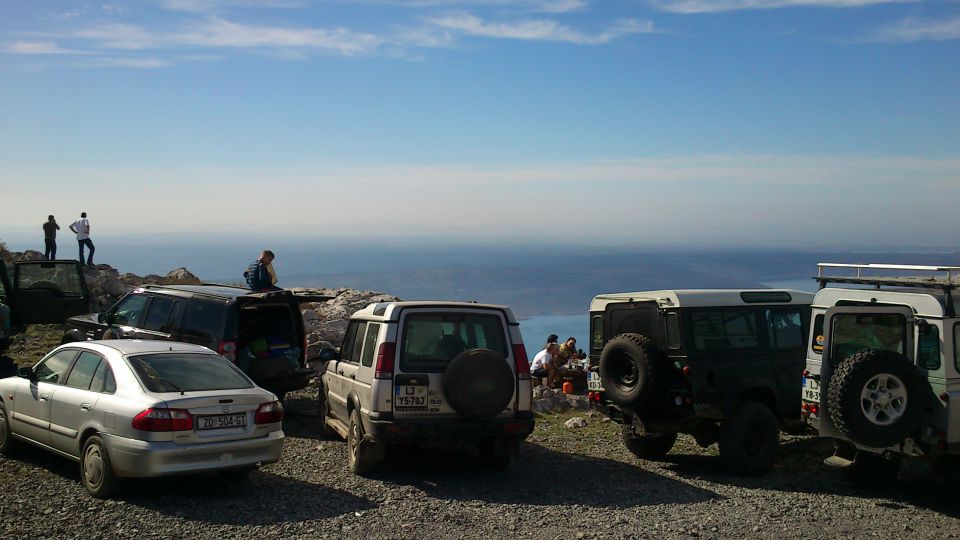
x=478 y=383
x=874 y=397
x=629 y=368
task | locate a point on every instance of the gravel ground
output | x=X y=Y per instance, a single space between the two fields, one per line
x=566 y=484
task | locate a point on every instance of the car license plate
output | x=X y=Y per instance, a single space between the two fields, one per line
x=410 y=398
x=593 y=382
x=811 y=389
x=222 y=421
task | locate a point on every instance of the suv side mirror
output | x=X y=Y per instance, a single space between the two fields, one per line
x=327 y=353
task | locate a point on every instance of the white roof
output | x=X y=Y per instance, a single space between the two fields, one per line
x=139 y=346
x=924 y=303
x=386 y=310
x=696 y=297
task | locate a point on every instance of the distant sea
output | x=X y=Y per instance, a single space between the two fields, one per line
x=536 y=329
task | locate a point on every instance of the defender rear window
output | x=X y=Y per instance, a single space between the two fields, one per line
x=186 y=372
x=853 y=332
x=596 y=333
x=431 y=340
x=673 y=330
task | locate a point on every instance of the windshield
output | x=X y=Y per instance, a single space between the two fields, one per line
x=185 y=372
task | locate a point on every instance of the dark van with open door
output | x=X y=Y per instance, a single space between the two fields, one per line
x=43 y=292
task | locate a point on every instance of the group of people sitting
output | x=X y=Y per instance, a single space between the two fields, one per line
x=554 y=360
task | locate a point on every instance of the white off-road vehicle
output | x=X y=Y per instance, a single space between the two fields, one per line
x=428 y=374
x=883 y=370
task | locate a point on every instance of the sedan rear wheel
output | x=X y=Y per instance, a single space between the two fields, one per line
x=7 y=443
x=96 y=471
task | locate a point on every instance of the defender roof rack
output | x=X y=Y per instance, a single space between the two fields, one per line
x=947 y=280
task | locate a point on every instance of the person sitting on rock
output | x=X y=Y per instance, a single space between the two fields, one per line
x=568 y=352
x=258 y=275
x=544 y=365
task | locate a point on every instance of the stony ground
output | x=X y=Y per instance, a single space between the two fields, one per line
x=566 y=484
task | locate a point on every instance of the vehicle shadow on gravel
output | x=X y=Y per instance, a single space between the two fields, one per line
x=539 y=476
x=800 y=469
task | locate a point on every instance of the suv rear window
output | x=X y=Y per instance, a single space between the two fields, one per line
x=186 y=372
x=431 y=340
x=853 y=332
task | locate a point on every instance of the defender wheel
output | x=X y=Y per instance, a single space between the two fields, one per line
x=630 y=367
x=358 y=450
x=650 y=446
x=7 y=443
x=874 y=398
x=749 y=439
x=872 y=471
x=96 y=472
x=323 y=412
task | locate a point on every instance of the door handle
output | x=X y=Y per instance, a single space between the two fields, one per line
x=44 y=397
x=353 y=375
x=85 y=407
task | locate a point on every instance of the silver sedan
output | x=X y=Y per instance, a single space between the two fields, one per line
x=128 y=408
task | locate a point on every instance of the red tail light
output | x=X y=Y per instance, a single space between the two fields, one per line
x=520 y=361
x=686 y=370
x=814 y=409
x=163 y=420
x=228 y=350
x=269 y=413
x=385 y=356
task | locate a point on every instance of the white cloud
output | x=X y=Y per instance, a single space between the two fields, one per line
x=539 y=29
x=909 y=30
x=39 y=47
x=714 y=6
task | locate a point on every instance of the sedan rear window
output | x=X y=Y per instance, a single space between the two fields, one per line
x=185 y=372
x=430 y=341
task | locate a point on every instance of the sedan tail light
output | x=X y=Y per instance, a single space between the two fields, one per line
x=157 y=419
x=269 y=413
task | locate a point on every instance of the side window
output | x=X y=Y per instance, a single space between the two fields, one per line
x=673 y=330
x=64 y=279
x=956 y=341
x=721 y=330
x=203 y=321
x=101 y=378
x=853 y=332
x=158 y=314
x=370 y=344
x=817 y=335
x=357 y=344
x=928 y=347
x=785 y=329
x=596 y=333
x=54 y=368
x=130 y=309
x=83 y=370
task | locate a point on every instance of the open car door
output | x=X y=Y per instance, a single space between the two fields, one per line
x=46 y=292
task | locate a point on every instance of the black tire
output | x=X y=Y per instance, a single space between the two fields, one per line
x=8 y=445
x=894 y=402
x=96 y=471
x=630 y=367
x=478 y=383
x=749 y=439
x=650 y=446
x=873 y=471
x=489 y=458
x=323 y=412
x=358 y=452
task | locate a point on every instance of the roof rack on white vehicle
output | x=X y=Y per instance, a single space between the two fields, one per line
x=947 y=280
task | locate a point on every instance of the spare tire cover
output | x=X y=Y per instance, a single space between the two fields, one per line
x=478 y=383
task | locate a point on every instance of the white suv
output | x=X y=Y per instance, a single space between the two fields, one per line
x=428 y=372
x=883 y=369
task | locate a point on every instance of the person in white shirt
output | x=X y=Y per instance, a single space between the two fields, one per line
x=544 y=365
x=81 y=228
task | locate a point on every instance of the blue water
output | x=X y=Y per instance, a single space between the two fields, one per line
x=536 y=329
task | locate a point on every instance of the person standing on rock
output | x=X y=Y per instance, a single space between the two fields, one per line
x=258 y=275
x=50 y=229
x=81 y=228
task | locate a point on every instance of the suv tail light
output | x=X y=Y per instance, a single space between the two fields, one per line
x=269 y=413
x=156 y=419
x=385 y=356
x=520 y=361
x=228 y=350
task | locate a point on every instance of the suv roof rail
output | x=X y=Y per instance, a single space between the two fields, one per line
x=948 y=279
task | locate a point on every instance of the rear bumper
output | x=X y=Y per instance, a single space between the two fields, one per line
x=136 y=458
x=382 y=427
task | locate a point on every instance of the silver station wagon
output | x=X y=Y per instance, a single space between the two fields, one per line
x=127 y=408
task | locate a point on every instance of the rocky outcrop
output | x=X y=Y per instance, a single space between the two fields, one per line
x=546 y=400
x=326 y=322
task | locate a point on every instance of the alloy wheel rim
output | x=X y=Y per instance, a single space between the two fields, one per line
x=883 y=399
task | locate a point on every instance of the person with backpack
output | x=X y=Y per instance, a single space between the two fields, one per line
x=258 y=273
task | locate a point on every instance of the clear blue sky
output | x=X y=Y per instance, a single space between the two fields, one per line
x=719 y=122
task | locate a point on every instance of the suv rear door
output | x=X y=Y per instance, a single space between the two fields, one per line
x=44 y=292
x=634 y=318
x=849 y=329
